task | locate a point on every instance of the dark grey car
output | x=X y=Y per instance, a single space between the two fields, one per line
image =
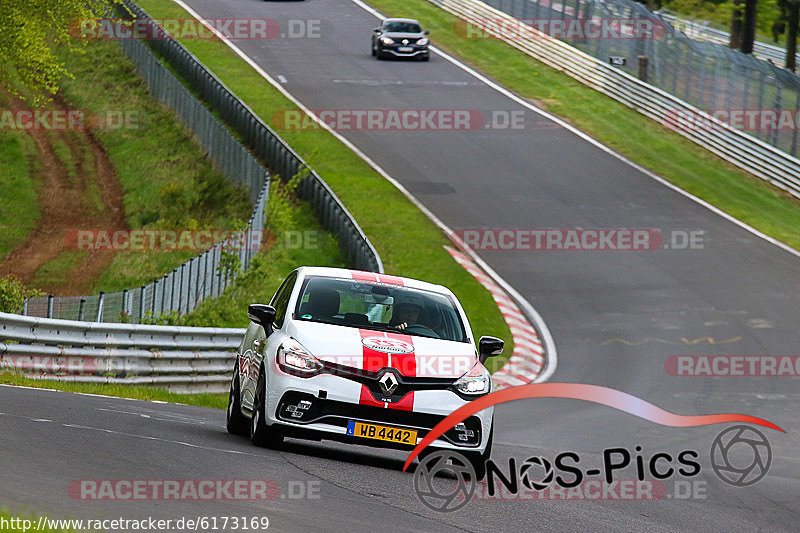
x=400 y=38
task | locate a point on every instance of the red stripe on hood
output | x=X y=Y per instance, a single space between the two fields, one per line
x=374 y=360
x=406 y=363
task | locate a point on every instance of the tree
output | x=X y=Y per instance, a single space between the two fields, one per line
x=749 y=26
x=736 y=25
x=30 y=31
x=787 y=23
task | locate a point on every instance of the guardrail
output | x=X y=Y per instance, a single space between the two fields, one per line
x=701 y=31
x=265 y=144
x=734 y=146
x=181 y=359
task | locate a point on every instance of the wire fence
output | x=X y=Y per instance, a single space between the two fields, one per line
x=267 y=146
x=208 y=274
x=710 y=76
x=701 y=30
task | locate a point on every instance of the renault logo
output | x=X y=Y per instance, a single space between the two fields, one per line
x=388 y=383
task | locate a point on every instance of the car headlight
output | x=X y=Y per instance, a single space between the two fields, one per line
x=423 y=41
x=387 y=40
x=476 y=381
x=294 y=359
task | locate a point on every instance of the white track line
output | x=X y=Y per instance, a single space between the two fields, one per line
x=547 y=338
x=595 y=142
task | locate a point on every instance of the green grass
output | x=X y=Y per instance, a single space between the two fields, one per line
x=19 y=179
x=57 y=271
x=413 y=248
x=168 y=181
x=138 y=392
x=644 y=141
x=286 y=218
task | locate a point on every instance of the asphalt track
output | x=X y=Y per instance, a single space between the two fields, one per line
x=615 y=316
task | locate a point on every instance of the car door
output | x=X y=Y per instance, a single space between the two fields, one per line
x=256 y=335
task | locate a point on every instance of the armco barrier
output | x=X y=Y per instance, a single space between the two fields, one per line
x=701 y=31
x=266 y=145
x=181 y=359
x=736 y=147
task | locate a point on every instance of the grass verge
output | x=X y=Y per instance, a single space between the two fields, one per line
x=642 y=140
x=413 y=248
x=19 y=179
x=167 y=180
x=137 y=392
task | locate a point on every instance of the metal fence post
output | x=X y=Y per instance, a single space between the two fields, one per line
x=50 y=306
x=100 y=307
x=141 y=304
x=81 y=309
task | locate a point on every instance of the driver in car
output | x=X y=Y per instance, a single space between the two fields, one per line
x=406 y=312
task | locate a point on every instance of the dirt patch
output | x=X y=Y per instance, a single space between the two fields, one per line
x=64 y=206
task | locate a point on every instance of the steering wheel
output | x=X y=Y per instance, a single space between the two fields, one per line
x=421 y=328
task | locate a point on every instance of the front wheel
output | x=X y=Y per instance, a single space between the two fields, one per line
x=260 y=433
x=236 y=422
x=478 y=460
x=374 y=52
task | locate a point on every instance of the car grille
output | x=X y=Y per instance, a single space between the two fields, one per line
x=335 y=413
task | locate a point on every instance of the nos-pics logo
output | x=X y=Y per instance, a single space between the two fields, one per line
x=445 y=481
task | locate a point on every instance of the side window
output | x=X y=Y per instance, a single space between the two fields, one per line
x=281 y=299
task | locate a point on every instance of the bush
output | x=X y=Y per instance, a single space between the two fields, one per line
x=13 y=294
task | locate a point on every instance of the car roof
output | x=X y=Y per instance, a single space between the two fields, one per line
x=401 y=20
x=372 y=276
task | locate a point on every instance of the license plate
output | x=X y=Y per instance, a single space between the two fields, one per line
x=374 y=431
x=405 y=49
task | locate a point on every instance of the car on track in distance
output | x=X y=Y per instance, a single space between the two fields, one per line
x=398 y=37
x=361 y=358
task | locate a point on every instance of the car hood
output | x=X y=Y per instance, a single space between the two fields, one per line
x=365 y=349
x=412 y=37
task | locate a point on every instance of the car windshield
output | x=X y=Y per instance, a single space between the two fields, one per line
x=381 y=307
x=402 y=27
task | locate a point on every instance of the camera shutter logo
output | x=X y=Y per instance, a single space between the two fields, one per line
x=727 y=453
x=525 y=473
x=457 y=493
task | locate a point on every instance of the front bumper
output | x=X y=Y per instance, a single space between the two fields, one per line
x=392 y=49
x=334 y=401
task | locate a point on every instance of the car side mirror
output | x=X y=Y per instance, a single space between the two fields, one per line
x=427 y=32
x=261 y=314
x=376 y=30
x=489 y=347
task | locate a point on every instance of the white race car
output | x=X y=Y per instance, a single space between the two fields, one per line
x=362 y=358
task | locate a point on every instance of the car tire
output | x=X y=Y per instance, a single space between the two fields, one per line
x=374 y=53
x=425 y=57
x=478 y=460
x=236 y=421
x=260 y=433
